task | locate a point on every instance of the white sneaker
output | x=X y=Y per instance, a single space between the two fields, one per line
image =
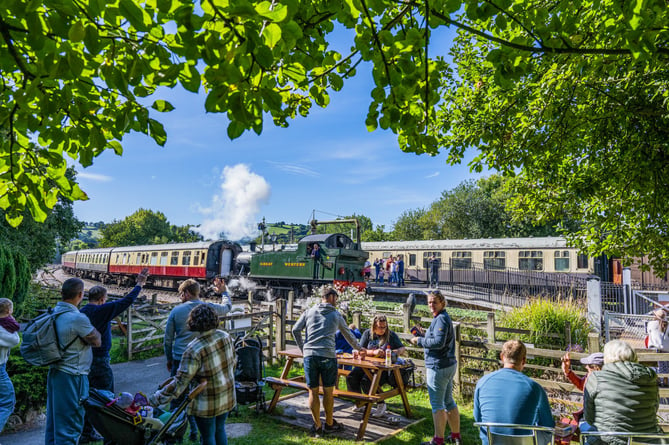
x=380 y=410
x=359 y=409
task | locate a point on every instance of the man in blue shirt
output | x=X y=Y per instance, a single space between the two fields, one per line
x=509 y=396
x=101 y=312
x=67 y=381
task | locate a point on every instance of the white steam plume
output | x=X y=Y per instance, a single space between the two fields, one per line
x=234 y=210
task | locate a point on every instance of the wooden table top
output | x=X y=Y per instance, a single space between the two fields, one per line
x=347 y=359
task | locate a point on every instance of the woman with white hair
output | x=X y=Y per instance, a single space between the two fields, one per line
x=623 y=396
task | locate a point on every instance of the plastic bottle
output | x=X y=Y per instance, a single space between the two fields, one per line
x=389 y=354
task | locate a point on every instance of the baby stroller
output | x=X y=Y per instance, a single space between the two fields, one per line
x=114 y=423
x=249 y=382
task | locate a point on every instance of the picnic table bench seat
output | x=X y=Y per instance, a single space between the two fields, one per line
x=298 y=384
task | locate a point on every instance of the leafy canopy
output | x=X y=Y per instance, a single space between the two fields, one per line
x=570 y=96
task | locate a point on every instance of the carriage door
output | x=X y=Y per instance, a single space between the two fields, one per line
x=226 y=262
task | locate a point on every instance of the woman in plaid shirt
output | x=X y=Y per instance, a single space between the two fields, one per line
x=211 y=356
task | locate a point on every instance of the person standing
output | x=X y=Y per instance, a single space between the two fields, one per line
x=321 y=322
x=377 y=269
x=101 y=313
x=9 y=337
x=400 y=271
x=67 y=381
x=210 y=356
x=177 y=334
x=509 y=396
x=658 y=338
x=433 y=266
x=440 y=367
x=317 y=256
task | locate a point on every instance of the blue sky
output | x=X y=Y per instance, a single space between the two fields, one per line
x=328 y=162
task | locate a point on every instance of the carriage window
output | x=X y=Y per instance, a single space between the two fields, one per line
x=531 y=260
x=386 y=255
x=412 y=259
x=175 y=259
x=428 y=255
x=494 y=259
x=461 y=260
x=204 y=257
x=154 y=258
x=561 y=260
x=163 y=258
x=186 y=258
x=196 y=258
x=125 y=258
x=582 y=261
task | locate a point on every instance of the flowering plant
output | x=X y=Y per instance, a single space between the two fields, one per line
x=350 y=299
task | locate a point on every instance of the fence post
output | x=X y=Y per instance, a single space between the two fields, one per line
x=593 y=342
x=270 y=339
x=630 y=306
x=594 y=299
x=456 y=378
x=356 y=319
x=567 y=333
x=289 y=308
x=154 y=299
x=129 y=338
x=280 y=310
x=491 y=327
x=250 y=300
x=406 y=318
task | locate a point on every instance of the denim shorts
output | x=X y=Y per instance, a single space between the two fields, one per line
x=317 y=369
x=440 y=388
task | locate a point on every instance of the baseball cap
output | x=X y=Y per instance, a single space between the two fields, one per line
x=593 y=359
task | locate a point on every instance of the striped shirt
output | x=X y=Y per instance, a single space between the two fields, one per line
x=211 y=356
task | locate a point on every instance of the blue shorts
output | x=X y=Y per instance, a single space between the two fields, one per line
x=317 y=369
x=440 y=388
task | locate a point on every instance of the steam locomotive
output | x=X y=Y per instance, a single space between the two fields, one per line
x=341 y=261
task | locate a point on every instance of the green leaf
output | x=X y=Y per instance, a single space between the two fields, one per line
x=137 y=17
x=190 y=78
x=162 y=106
x=235 y=129
x=157 y=132
x=76 y=32
x=272 y=34
x=116 y=146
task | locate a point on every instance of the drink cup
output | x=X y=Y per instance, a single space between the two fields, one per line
x=356 y=354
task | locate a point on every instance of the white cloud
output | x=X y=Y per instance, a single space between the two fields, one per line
x=94 y=177
x=234 y=209
x=296 y=169
x=433 y=175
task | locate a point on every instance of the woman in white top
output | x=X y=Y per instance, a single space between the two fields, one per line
x=658 y=337
x=9 y=337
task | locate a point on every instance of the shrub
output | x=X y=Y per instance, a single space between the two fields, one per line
x=543 y=317
x=29 y=384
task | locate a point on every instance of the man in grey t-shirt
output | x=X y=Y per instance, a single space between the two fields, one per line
x=320 y=360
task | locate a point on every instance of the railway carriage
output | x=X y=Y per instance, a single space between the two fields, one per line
x=547 y=254
x=92 y=263
x=170 y=263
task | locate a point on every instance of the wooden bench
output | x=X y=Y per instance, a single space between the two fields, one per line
x=275 y=382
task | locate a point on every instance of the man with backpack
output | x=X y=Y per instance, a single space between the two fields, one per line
x=101 y=313
x=67 y=381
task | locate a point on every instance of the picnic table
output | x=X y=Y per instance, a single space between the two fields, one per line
x=372 y=366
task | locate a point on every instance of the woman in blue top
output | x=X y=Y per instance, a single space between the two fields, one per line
x=440 y=366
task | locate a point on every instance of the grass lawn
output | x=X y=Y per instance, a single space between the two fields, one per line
x=268 y=430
